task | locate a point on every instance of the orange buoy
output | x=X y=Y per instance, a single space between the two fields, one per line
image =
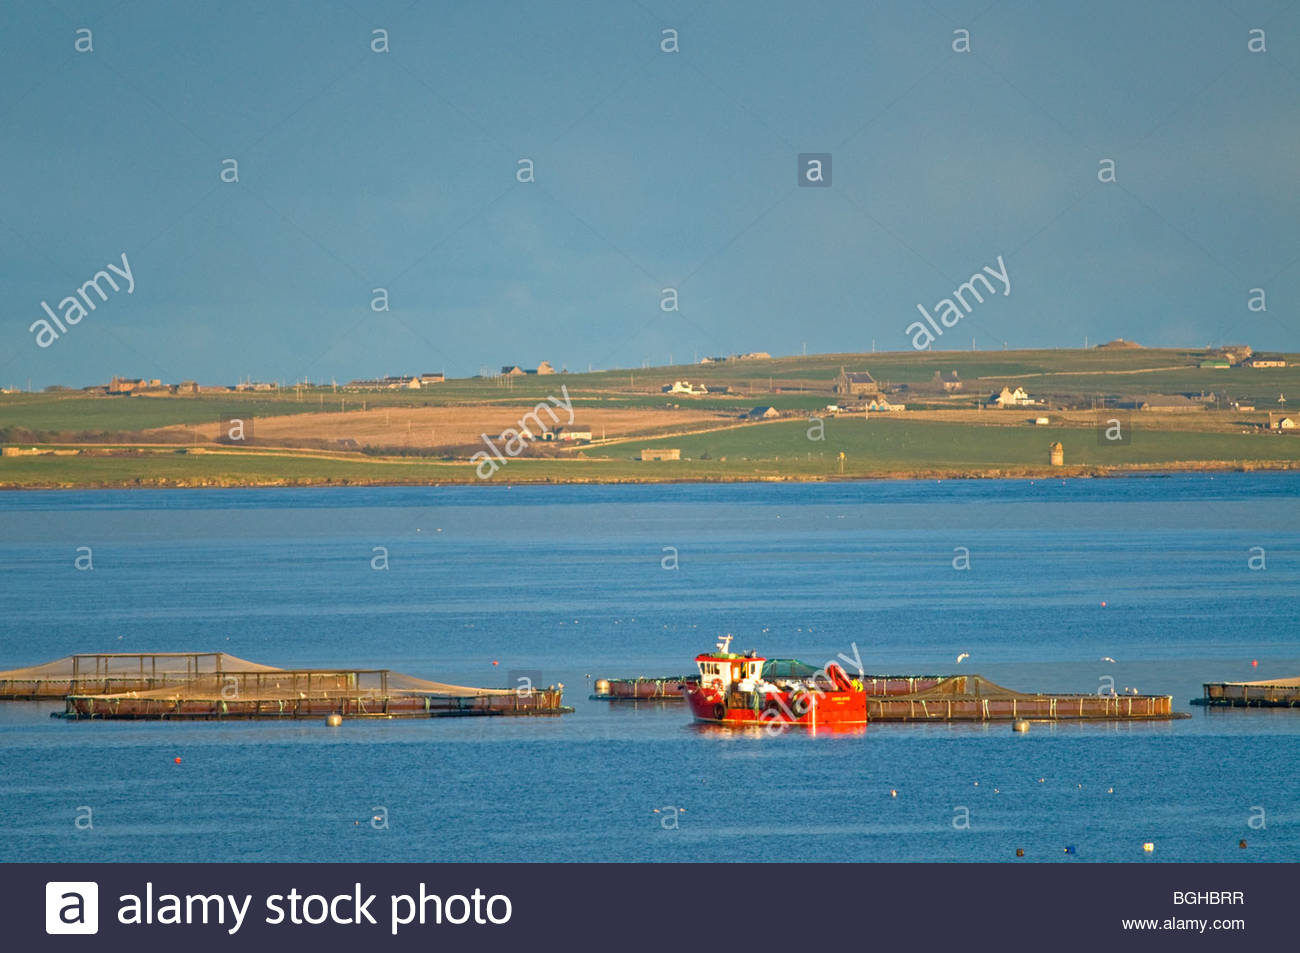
x=178 y=760
x=1254 y=663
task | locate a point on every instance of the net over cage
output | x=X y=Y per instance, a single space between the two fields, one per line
x=299 y=693
x=118 y=671
x=268 y=684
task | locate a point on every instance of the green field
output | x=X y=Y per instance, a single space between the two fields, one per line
x=1081 y=373
x=890 y=444
x=885 y=445
x=880 y=447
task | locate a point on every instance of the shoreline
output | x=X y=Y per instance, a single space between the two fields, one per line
x=984 y=473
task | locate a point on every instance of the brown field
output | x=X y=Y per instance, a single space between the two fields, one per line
x=455 y=425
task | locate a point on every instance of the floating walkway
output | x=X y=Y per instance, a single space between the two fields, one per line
x=665 y=689
x=1270 y=693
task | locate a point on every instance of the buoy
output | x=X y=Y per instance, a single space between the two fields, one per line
x=1020 y=852
x=1020 y=725
x=178 y=760
x=495 y=662
x=1241 y=844
x=1254 y=663
x=893 y=793
x=1148 y=847
x=334 y=720
x=1069 y=848
x=1103 y=603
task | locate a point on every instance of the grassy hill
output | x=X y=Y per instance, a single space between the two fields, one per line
x=954 y=439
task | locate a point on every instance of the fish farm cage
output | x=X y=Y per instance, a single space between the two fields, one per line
x=975 y=698
x=217 y=685
x=110 y=672
x=1268 y=693
x=311 y=693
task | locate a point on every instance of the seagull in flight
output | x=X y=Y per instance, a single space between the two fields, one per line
x=964 y=655
x=1107 y=658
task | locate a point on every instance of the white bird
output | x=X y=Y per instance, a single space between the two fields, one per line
x=963 y=655
x=1107 y=658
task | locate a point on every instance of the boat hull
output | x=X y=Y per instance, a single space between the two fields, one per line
x=778 y=709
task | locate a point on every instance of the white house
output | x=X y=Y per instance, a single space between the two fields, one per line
x=684 y=387
x=1013 y=398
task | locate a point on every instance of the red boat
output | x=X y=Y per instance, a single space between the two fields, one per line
x=750 y=690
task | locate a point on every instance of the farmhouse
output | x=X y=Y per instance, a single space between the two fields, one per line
x=514 y=370
x=392 y=382
x=1232 y=353
x=661 y=453
x=1286 y=423
x=1160 y=402
x=882 y=404
x=763 y=413
x=855 y=383
x=1264 y=362
x=1012 y=398
x=129 y=385
x=1215 y=363
x=684 y=387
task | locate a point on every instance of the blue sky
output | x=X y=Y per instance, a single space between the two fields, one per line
x=362 y=170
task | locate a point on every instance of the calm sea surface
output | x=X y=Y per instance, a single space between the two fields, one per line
x=571 y=582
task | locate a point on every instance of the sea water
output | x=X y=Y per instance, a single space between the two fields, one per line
x=1180 y=579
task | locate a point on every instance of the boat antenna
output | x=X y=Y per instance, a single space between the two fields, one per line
x=724 y=644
